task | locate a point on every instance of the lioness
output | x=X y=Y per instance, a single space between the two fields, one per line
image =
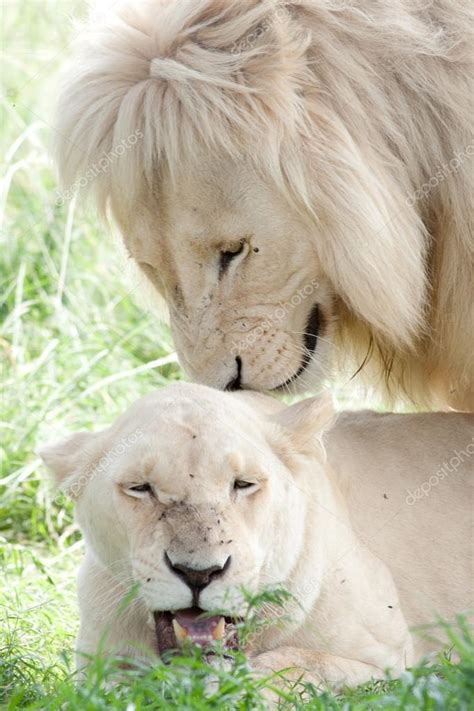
x=294 y=178
x=193 y=494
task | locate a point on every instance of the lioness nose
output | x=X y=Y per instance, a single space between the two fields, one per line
x=197 y=578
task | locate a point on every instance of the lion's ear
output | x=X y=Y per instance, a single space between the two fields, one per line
x=306 y=421
x=63 y=458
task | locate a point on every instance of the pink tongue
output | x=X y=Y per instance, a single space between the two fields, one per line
x=200 y=630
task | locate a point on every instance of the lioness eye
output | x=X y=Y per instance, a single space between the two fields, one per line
x=139 y=489
x=227 y=256
x=240 y=484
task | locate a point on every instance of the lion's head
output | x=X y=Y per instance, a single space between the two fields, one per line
x=257 y=201
x=194 y=495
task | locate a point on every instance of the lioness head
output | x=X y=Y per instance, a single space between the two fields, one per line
x=194 y=495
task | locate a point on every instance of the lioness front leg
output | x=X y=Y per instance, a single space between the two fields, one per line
x=321 y=669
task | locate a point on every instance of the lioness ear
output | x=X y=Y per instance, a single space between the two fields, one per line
x=306 y=421
x=63 y=458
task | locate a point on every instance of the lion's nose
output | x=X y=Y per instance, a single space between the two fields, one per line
x=197 y=578
x=236 y=382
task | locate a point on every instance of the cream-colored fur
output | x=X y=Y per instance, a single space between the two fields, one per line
x=366 y=564
x=334 y=137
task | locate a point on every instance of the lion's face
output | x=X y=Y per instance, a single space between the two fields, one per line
x=249 y=304
x=187 y=496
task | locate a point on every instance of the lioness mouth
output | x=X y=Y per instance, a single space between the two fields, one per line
x=173 y=629
x=310 y=338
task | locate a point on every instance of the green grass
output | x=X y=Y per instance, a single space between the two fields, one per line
x=76 y=349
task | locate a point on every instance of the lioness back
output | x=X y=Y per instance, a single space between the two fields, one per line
x=408 y=483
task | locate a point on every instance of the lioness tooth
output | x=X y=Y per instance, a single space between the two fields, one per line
x=179 y=632
x=218 y=631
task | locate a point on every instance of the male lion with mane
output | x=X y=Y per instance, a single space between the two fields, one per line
x=295 y=179
x=194 y=494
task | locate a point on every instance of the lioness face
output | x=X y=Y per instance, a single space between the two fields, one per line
x=249 y=304
x=198 y=507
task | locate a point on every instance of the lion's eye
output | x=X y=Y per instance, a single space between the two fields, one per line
x=228 y=255
x=139 y=490
x=241 y=484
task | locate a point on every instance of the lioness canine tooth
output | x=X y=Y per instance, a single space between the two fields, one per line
x=218 y=631
x=180 y=632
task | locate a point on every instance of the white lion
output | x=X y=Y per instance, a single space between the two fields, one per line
x=193 y=494
x=294 y=178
